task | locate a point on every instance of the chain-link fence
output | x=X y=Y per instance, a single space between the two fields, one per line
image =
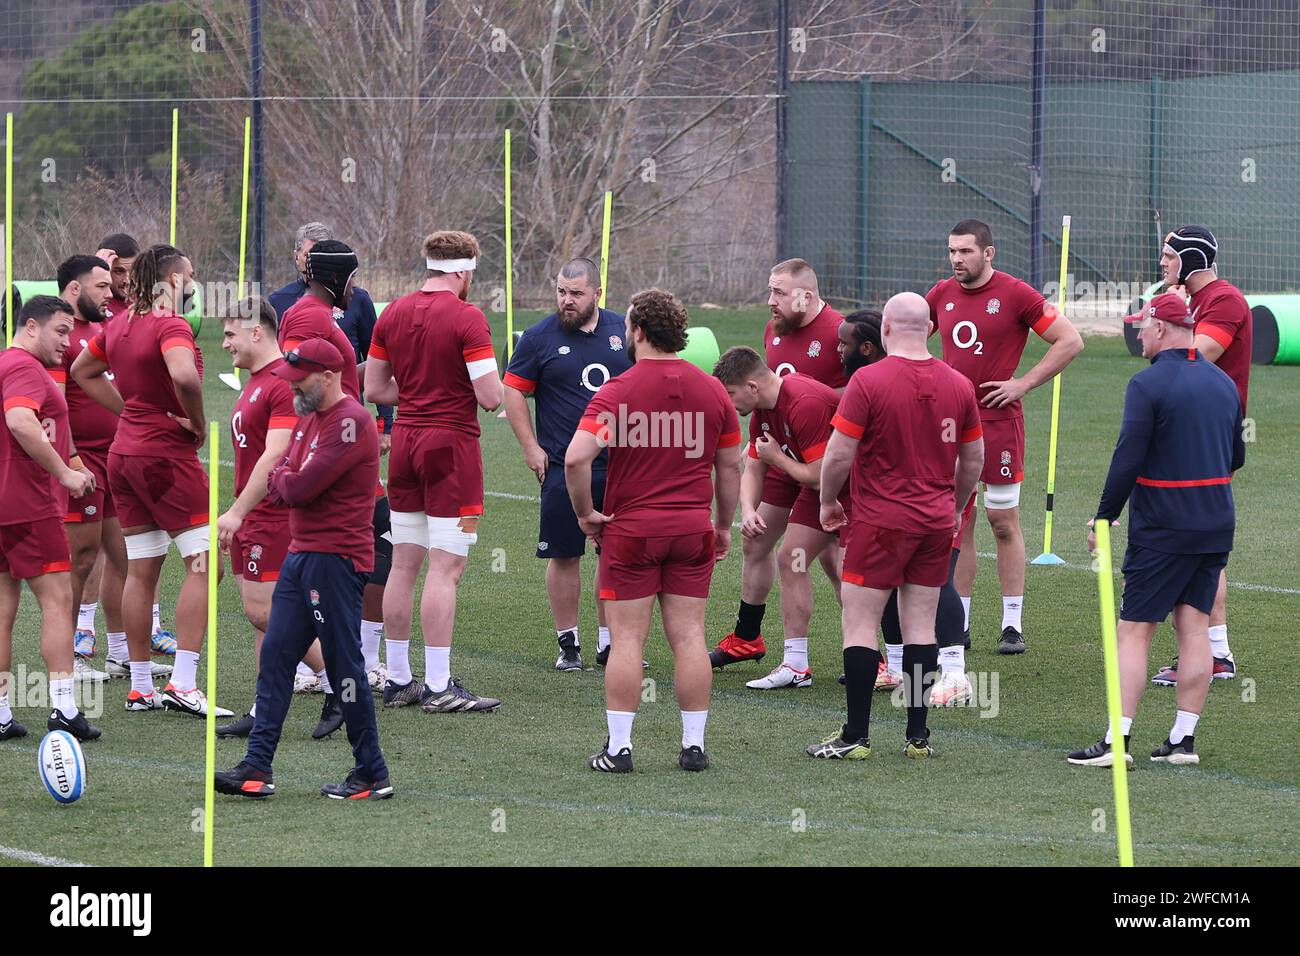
x=386 y=120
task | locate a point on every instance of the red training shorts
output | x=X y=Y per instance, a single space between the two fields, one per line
x=437 y=471
x=807 y=509
x=883 y=558
x=1004 y=451
x=779 y=489
x=168 y=493
x=33 y=548
x=634 y=567
x=99 y=504
x=258 y=549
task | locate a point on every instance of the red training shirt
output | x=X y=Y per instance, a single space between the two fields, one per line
x=329 y=481
x=27 y=491
x=310 y=318
x=265 y=403
x=1221 y=312
x=908 y=416
x=433 y=340
x=133 y=346
x=984 y=330
x=93 y=425
x=663 y=420
x=810 y=350
x=800 y=423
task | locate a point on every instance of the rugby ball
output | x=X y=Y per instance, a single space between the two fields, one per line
x=62 y=766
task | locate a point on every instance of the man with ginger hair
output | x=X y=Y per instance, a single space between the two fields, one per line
x=431 y=353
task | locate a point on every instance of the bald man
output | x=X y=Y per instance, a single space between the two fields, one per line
x=907 y=437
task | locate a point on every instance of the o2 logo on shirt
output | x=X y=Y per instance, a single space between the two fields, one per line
x=236 y=429
x=586 y=376
x=967 y=330
x=785 y=368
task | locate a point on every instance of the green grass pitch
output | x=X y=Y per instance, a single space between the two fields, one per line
x=512 y=788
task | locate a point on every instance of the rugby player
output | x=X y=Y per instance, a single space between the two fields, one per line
x=561 y=362
x=908 y=433
x=158 y=484
x=800 y=337
x=37 y=477
x=788 y=431
x=1224 y=335
x=254 y=530
x=669 y=428
x=329 y=277
x=432 y=354
x=983 y=317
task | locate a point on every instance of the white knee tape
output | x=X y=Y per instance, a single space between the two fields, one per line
x=446 y=534
x=147 y=544
x=193 y=540
x=1002 y=496
x=409 y=527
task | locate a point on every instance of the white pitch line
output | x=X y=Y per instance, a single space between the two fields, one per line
x=30 y=856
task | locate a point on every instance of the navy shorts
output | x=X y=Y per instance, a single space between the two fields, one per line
x=560 y=536
x=1155 y=581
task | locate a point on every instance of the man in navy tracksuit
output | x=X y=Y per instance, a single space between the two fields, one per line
x=1178 y=446
x=561 y=361
x=328 y=483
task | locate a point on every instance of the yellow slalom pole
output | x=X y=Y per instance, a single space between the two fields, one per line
x=231 y=378
x=214 y=556
x=1119 y=776
x=176 y=138
x=243 y=206
x=1047 y=557
x=604 y=246
x=9 y=229
x=510 y=266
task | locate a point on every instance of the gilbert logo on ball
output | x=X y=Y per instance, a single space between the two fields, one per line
x=62 y=766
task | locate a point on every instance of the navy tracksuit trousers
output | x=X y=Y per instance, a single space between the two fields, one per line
x=317 y=595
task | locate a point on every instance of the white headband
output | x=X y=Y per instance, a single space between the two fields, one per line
x=452 y=265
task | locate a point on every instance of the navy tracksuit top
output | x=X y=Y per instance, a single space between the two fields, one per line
x=1178 y=446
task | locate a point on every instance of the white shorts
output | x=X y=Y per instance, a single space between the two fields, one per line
x=445 y=534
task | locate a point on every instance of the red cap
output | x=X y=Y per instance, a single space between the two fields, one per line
x=314 y=355
x=1166 y=307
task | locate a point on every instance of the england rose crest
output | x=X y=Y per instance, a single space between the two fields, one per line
x=615 y=343
x=815 y=349
x=993 y=306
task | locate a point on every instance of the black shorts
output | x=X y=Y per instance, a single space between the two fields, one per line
x=560 y=536
x=1154 y=582
x=383 y=543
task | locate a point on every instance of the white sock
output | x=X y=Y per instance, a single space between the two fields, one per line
x=372 y=632
x=437 y=668
x=796 y=655
x=1011 y=608
x=399 y=661
x=1125 y=726
x=894 y=657
x=304 y=670
x=952 y=660
x=62 y=699
x=1219 y=643
x=86 y=617
x=324 y=682
x=693 y=722
x=602 y=639
x=185 y=670
x=252 y=711
x=6 y=714
x=157 y=622
x=965 y=608
x=117 y=648
x=620 y=729
x=561 y=633
x=1184 y=726
x=142 y=677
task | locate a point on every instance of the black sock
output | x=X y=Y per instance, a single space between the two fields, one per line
x=920 y=668
x=889 y=623
x=750 y=621
x=949 y=618
x=860 y=666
